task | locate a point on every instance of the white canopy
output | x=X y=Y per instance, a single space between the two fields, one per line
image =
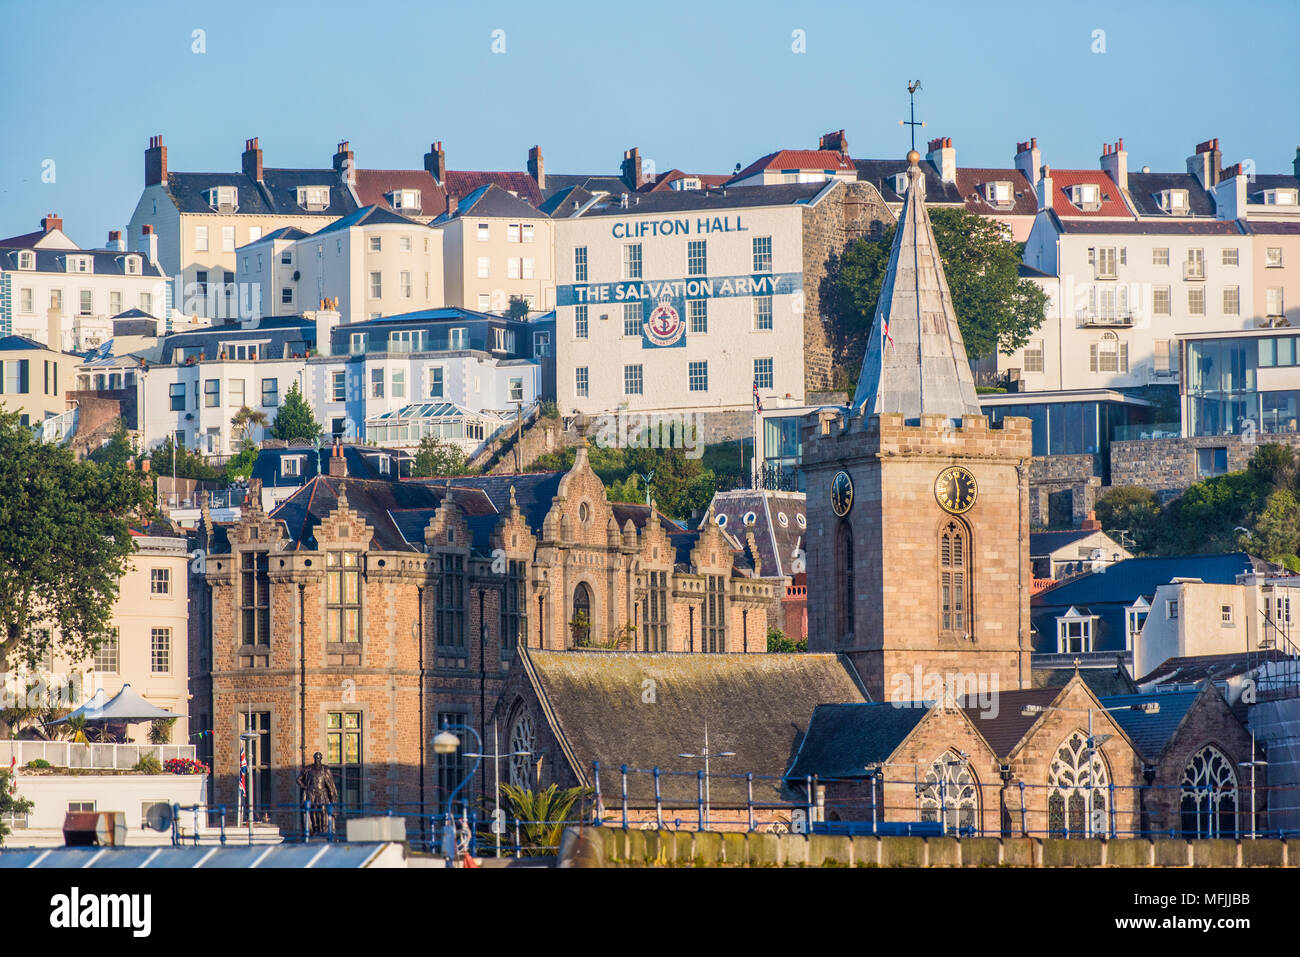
x=126 y=706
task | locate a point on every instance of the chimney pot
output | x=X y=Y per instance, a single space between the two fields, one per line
x=155 y=162
x=51 y=222
x=147 y=229
x=252 y=160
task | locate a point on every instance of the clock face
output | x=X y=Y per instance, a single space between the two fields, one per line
x=841 y=493
x=955 y=490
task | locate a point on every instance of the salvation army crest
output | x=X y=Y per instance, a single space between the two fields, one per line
x=664 y=325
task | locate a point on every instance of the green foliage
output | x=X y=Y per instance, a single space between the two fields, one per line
x=517 y=308
x=10 y=803
x=64 y=543
x=37 y=764
x=189 y=465
x=1277 y=528
x=149 y=764
x=543 y=815
x=548 y=410
x=778 y=643
x=160 y=730
x=295 y=419
x=996 y=309
x=240 y=465
x=1129 y=508
x=435 y=458
x=244 y=421
x=680 y=484
x=116 y=452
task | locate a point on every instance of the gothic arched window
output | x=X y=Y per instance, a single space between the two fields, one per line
x=522 y=739
x=581 y=622
x=950 y=785
x=954 y=578
x=1072 y=784
x=1209 y=795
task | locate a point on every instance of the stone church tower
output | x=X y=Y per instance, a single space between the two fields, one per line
x=918 y=511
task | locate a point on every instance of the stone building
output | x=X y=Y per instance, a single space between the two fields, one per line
x=360 y=615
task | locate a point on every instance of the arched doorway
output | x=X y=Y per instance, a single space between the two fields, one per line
x=580 y=623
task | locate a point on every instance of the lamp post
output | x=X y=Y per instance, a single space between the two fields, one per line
x=706 y=755
x=1146 y=707
x=496 y=757
x=446 y=743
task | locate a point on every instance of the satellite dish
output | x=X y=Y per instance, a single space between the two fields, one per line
x=159 y=817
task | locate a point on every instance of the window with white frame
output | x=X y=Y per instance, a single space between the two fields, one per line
x=340 y=386
x=762 y=312
x=86 y=302
x=580 y=382
x=1135 y=618
x=376 y=383
x=26 y=301
x=632 y=261
x=1074 y=634
x=314 y=197
x=484 y=267
x=376 y=285
x=227 y=239
x=528 y=268
x=1196 y=301
x=527 y=232
x=1160 y=256
x=436 y=382
x=235 y=393
x=632 y=380
x=404 y=244
x=512 y=232
x=376 y=244
x=512 y=268
x=632 y=312
x=404 y=284
x=763 y=378
x=398 y=384
x=27 y=259
x=160 y=651
x=762 y=248
x=1273 y=257
x=580 y=322
x=1231 y=256
x=1166 y=356
x=1033 y=356
x=160 y=581
x=697 y=376
x=1273 y=302
x=201 y=239
x=580 y=264
x=291 y=465
x=516 y=389
x=1194 y=268
x=1160 y=301
x=697 y=314
x=1108 y=354
x=1103 y=260
x=107 y=654
x=1231 y=300
x=132 y=265
x=697 y=258
x=1225 y=614
x=484 y=232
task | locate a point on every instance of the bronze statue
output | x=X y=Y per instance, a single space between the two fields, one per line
x=318 y=788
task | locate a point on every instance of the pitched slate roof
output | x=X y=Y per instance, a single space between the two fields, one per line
x=591 y=183
x=464 y=182
x=1007 y=728
x=700 y=200
x=1151 y=732
x=560 y=203
x=1112 y=199
x=492 y=200
x=843 y=739
x=757 y=705
x=816 y=160
x=374 y=186
x=924 y=369
x=664 y=181
x=15 y=342
x=1173 y=226
x=776 y=541
x=1266 y=228
x=370 y=216
x=881 y=173
x=1101 y=681
x=107 y=262
x=268 y=468
x=277 y=194
x=971 y=180
x=282 y=331
x=1197 y=668
x=1144 y=190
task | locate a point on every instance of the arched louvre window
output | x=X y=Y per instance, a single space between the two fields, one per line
x=522 y=739
x=845 y=562
x=581 y=623
x=954 y=578
x=1073 y=782
x=1209 y=795
x=949 y=785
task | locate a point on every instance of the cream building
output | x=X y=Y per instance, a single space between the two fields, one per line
x=497 y=247
x=374 y=262
x=34 y=380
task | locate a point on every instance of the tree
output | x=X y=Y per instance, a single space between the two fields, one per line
x=1129 y=508
x=117 y=451
x=10 y=802
x=245 y=420
x=778 y=643
x=543 y=815
x=295 y=420
x=996 y=309
x=1276 y=532
x=517 y=308
x=435 y=458
x=64 y=543
x=240 y=465
x=189 y=465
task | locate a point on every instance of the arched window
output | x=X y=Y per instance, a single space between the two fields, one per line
x=1072 y=783
x=954 y=578
x=949 y=785
x=522 y=738
x=581 y=623
x=844 y=559
x=1209 y=795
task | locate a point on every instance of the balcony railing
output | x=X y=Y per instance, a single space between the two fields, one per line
x=1119 y=320
x=66 y=754
x=1194 y=271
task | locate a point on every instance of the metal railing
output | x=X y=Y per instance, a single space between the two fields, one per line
x=67 y=754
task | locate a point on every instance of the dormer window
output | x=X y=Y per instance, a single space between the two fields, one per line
x=998 y=194
x=223 y=199
x=291 y=465
x=314 y=197
x=1074 y=632
x=1281 y=197
x=80 y=264
x=407 y=200
x=900 y=183
x=132 y=265
x=27 y=259
x=686 y=182
x=1086 y=196
x=1173 y=201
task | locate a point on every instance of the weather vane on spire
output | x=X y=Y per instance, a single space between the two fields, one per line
x=911 y=95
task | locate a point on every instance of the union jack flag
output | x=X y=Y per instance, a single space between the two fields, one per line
x=243 y=769
x=884 y=331
x=758 y=403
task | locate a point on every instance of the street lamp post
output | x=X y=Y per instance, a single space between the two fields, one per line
x=496 y=757
x=706 y=755
x=446 y=743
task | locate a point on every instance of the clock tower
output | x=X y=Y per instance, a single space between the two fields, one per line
x=918 y=514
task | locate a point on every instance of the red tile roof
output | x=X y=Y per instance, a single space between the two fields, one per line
x=971 y=180
x=800 y=160
x=374 y=185
x=1112 y=203
x=460 y=183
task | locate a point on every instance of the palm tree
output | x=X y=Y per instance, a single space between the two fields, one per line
x=543 y=815
x=244 y=420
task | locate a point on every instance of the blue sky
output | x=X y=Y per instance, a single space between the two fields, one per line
x=700 y=87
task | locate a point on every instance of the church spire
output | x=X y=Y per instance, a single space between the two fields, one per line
x=915 y=361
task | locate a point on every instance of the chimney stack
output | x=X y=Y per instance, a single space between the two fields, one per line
x=253 y=160
x=115 y=241
x=435 y=161
x=1029 y=160
x=344 y=164
x=535 y=169
x=835 y=141
x=338 y=464
x=943 y=157
x=155 y=162
x=1114 y=162
x=631 y=169
x=149 y=243
x=1295 y=164
x=1090 y=524
x=1207 y=163
x=1045 y=188
x=52 y=222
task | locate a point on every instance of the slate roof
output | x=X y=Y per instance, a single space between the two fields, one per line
x=277 y=194
x=1173 y=226
x=1197 y=668
x=880 y=173
x=492 y=200
x=281 y=331
x=816 y=160
x=925 y=369
x=1264 y=181
x=15 y=342
x=592 y=183
x=284 y=232
x=1105 y=593
x=268 y=467
x=971 y=180
x=559 y=204
x=374 y=185
x=370 y=216
x=1006 y=729
x=24 y=241
x=757 y=705
x=463 y=182
x=776 y=542
x=1151 y=732
x=107 y=262
x=664 y=181
x=843 y=739
x=1267 y=228
x=1045 y=543
x=1102 y=681
x=1144 y=188
x=698 y=200
x=1112 y=199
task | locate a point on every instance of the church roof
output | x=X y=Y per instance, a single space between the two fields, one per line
x=924 y=368
x=843 y=739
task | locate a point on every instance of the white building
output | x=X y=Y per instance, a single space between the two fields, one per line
x=57 y=290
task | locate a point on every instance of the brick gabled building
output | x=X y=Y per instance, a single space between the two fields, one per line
x=360 y=615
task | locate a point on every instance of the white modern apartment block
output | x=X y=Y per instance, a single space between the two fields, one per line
x=63 y=296
x=374 y=262
x=682 y=301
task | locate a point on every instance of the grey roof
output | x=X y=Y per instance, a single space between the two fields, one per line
x=591 y=182
x=370 y=216
x=292 y=333
x=108 y=262
x=843 y=739
x=1197 y=668
x=1151 y=732
x=1004 y=730
x=757 y=705
x=924 y=369
x=1144 y=188
x=880 y=173
x=561 y=203
x=277 y=194
x=268 y=468
x=1173 y=226
x=491 y=200
x=699 y=200
x=1102 y=681
x=1044 y=543
x=776 y=542
x=10 y=343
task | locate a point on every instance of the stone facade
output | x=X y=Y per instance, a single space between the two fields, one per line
x=890 y=620
x=1169 y=466
x=853 y=211
x=1062 y=489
